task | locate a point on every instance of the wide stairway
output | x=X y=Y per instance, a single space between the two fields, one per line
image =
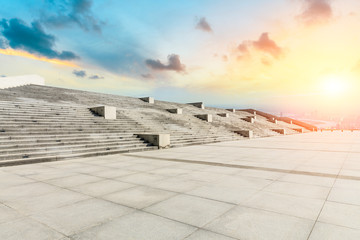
x=37 y=131
x=42 y=123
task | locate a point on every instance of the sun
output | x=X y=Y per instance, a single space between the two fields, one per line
x=334 y=85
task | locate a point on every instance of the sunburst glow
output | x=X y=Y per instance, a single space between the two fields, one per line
x=335 y=85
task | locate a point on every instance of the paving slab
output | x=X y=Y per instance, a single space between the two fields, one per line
x=249 y=223
x=189 y=209
x=139 y=197
x=139 y=226
x=76 y=217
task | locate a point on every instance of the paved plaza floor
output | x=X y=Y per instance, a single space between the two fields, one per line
x=304 y=186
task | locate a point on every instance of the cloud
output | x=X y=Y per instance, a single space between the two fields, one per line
x=69 y=12
x=32 y=39
x=79 y=73
x=225 y=58
x=147 y=76
x=316 y=11
x=95 y=76
x=203 y=25
x=263 y=44
x=244 y=47
x=3 y=44
x=174 y=64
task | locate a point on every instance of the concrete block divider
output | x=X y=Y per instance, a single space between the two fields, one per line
x=205 y=117
x=273 y=120
x=148 y=100
x=223 y=115
x=245 y=133
x=161 y=140
x=108 y=112
x=280 y=130
x=198 y=104
x=175 y=110
x=300 y=130
x=249 y=119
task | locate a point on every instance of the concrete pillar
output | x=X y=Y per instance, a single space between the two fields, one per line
x=245 y=133
x=175 y=110
x=160 y=140
x=223 y=115
x=148 y=99
x=107 y=112
x=205 y=117
x=198 y=104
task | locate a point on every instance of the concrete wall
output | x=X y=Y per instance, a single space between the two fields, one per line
x=9 y=82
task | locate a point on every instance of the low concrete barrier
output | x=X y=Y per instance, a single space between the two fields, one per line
x=175 y=110
x=245 y=133
x=300 y=130
x=280 y=130
x=205 y=117
x=161 y=140
x=107 y=112
x=198 y=104
x=299 y=123
x=223 y=115
x=249 y=119
x=148 y=99
x=273 y=121
x=231 y=110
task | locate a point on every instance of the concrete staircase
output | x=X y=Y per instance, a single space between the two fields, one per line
x=41 y=123
x=37 y=132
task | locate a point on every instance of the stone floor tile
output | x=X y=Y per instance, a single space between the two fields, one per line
x=76 y=217
x=139 y=197
x=137 y=226
x=285 y=204
x=327 y=231
x=28 y=229
x=255 y=224
x=74 y=180
x=341 y=214
x=297 y=189
x=189 y=209
x=101 y=188
x=207 y=235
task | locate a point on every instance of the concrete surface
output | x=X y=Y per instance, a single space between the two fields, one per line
x=287 y=187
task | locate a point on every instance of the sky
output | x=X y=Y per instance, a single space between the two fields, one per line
x=278 y=55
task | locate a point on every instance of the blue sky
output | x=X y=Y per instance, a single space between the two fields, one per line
x=222 y=52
